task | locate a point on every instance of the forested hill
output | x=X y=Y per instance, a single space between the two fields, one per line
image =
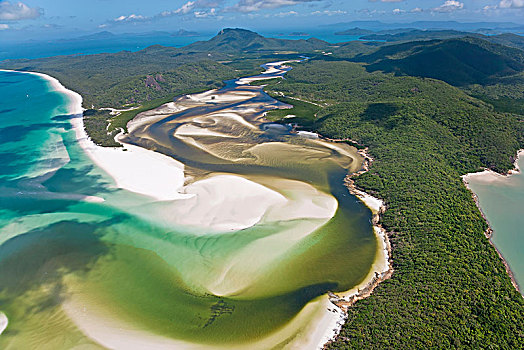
x=242 y=40
x=459 y=62
x=449 y=289
x=156 y=74
x=116 y=79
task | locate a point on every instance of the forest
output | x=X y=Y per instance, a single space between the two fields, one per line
x=424 y=123
x=449 y=288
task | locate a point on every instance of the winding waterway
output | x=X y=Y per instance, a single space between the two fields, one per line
x=239 y=252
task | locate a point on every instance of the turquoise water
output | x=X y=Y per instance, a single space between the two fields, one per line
x=502 y=202
x=67 y=262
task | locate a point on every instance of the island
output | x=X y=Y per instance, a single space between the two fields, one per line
x=355 y=160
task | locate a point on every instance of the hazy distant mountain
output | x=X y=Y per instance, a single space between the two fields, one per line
x=183 y=32
x=96 y=36
x=416 y=34
x=355 y=31
x=454 y=25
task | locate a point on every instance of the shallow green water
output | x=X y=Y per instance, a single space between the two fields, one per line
x=502 y=201
x=63 y=258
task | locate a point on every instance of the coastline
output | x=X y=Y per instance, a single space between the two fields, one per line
x=490 y=176
x=380 y=270
x=4 y=321
x=108 y=160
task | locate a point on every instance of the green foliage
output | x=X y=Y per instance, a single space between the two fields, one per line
x=459 y=62
x=240 y=40
x=95 y=124
x=449 y=288
x=265 y=82
x=304 y=112
x=415 y=34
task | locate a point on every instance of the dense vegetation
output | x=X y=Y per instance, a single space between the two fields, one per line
x=245 y=41
x=459 y=62
x=153 y=76
x=450 y=288
x=302 y=112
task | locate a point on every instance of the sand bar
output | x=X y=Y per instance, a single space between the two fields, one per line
x=3 y=322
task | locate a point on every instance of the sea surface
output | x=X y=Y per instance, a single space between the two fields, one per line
x=502 y=202
x=38 y=49
x=79 y=271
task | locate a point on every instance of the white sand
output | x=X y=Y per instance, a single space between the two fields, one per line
x=307 y=134
x=213 y=96
x=136 y=169
x=114 y=111
x=246 y=81
x=489 y=176
x=380 y=266
x=274 y=69
x=3 y=322
x=193 y=130
x=225 y=203
x=219 y=202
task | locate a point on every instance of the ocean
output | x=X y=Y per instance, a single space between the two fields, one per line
x=502 y=202
x=38 y=49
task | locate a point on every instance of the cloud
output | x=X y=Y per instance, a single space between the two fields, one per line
x=131 y=18
x=449 y=6
x=196 y=8
x=398 y=11
x=205 y=14
x=416 y=10
x=186 y=8
x=286 y=14
x=16 y=11
x=329 y=13
x=4 y=26
x=257 y=5
x=514 y=4
x=386 y=0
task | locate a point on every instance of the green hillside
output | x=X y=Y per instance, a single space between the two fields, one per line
x=416 y=34
x=459 y=62
x=245 y=41
x=449 y=288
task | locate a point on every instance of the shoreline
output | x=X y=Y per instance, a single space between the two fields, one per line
x=339 y=302
x=344 y=300
x=4 y=322
x=488 y=175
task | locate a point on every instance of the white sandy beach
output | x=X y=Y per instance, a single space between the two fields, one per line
x=489 y=176
x=3 y=322
x=221 y=202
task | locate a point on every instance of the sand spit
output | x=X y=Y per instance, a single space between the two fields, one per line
x=3 y=322
x=162 y=179
x=489 y=176
x=273 y=70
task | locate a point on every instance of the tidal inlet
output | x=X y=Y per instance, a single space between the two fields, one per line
x=211 y=228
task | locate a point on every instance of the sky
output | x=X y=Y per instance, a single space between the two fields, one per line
x=40 y=18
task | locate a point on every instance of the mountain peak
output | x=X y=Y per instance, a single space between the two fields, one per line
x=226 y=31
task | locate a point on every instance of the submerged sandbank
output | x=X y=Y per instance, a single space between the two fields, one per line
x=288 y=200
